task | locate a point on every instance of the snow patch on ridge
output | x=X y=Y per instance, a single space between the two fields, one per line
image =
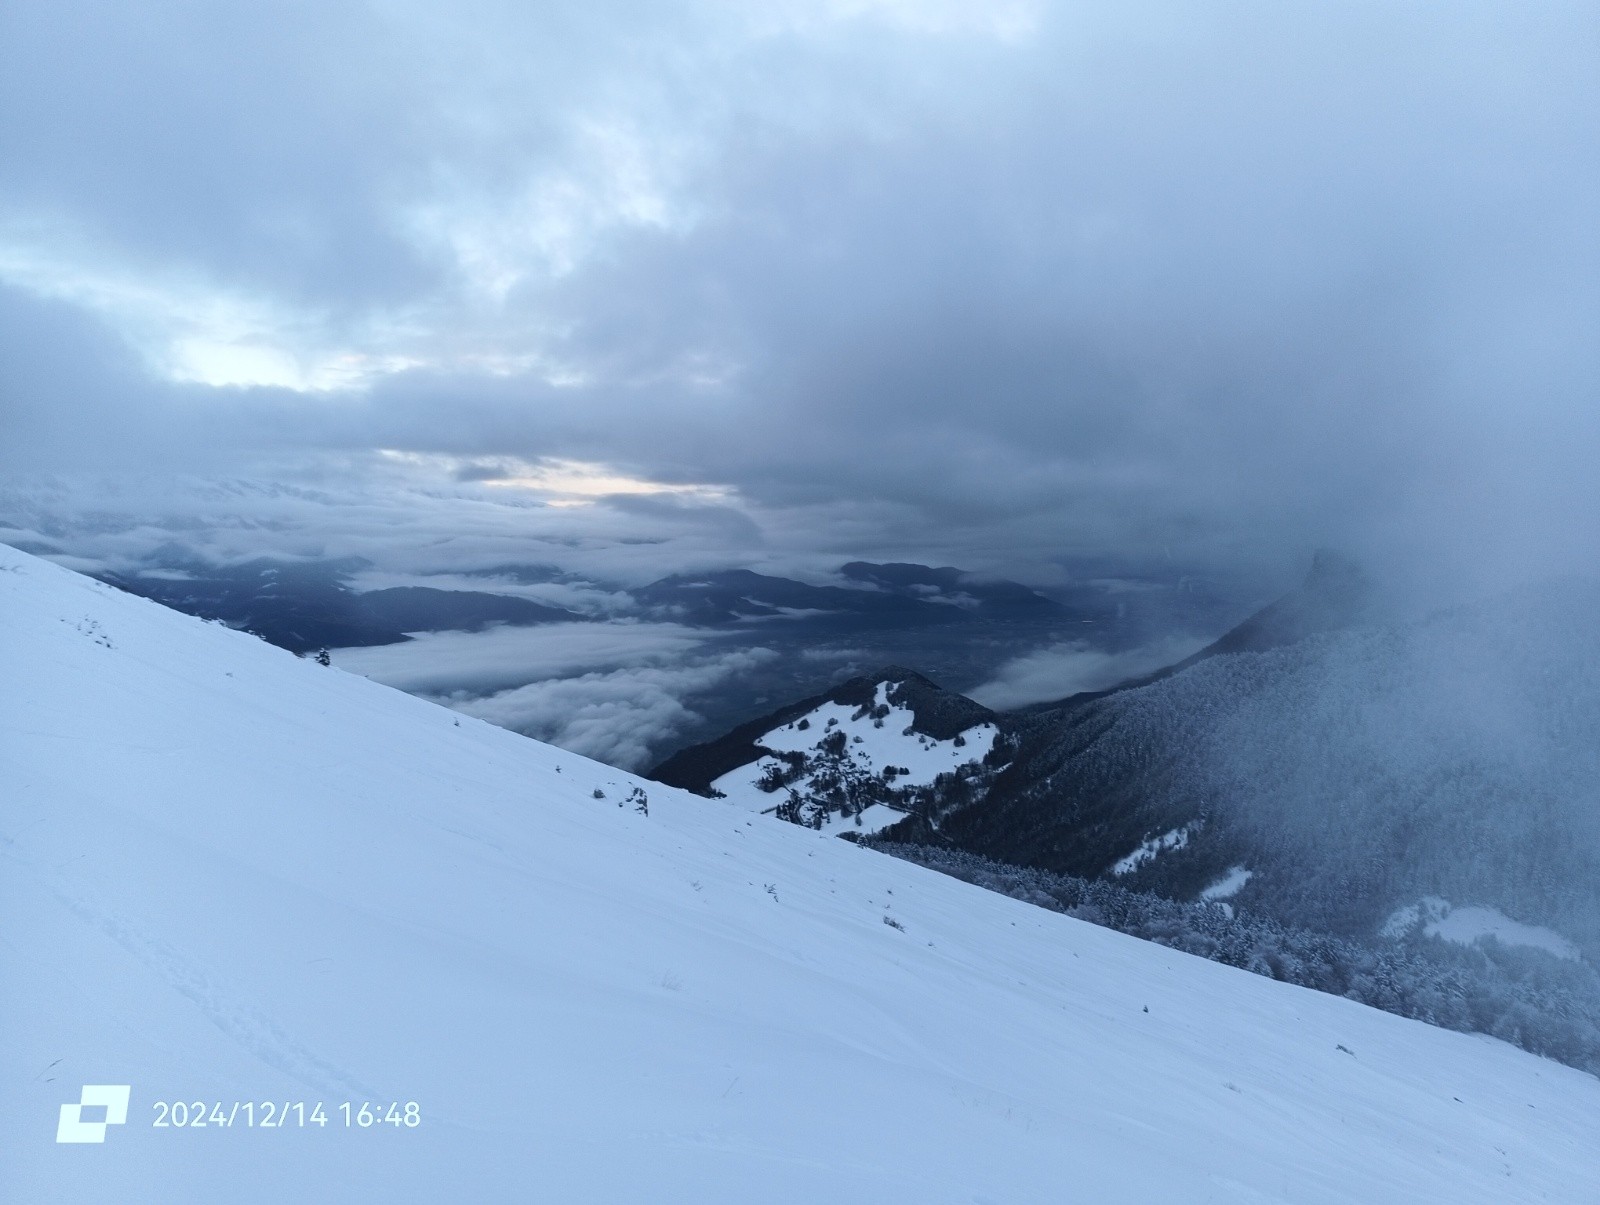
x=874 y=739
x=1175 y=839
x=889 y=741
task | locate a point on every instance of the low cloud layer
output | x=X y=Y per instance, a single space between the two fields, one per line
x=466 y=664
x=1066 y=669
x=620 y=692
x=625 y=717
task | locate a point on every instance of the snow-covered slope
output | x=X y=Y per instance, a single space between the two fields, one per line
x=228 y=875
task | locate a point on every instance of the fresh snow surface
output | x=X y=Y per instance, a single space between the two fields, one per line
x=1176 y=839
x=230 y=875
x=1465 y=925
x=870 y=744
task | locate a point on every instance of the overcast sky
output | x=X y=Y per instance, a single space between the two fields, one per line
x=991 y=283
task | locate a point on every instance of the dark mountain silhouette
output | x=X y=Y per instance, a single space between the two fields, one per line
x=424 y=609
x=953 y=587
x=735 y=594
x=307 y=605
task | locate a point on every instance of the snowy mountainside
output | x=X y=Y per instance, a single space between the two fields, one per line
x=1354 y=773
x=228 y=875
x=860 y=757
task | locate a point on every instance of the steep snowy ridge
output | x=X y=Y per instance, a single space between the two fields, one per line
x=230 y=875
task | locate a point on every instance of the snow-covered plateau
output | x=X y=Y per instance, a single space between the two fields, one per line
x=229 y=875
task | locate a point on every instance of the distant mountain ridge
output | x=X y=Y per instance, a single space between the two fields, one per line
x=303 y=606
x=801 y=636
x=949 y=585
x=895 y=593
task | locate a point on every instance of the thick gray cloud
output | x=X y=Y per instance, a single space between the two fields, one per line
x=982 y=283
